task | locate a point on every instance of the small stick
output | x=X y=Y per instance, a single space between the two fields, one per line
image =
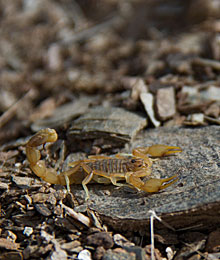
x=78 y=216
x=152 y=216
x=87 y=33
x=152 y=234
x=7 y=115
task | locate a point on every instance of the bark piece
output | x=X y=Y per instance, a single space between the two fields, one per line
x=165 y=103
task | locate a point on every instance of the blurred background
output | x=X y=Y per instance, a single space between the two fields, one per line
x=54 y=51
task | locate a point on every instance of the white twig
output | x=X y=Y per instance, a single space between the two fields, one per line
x=78 y=216
x=152 y=212
x=152 y=216
x=152 y=233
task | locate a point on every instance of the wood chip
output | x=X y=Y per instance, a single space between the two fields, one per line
x=22 y=182
x=3 y=186
x=42 y=197
x=43 y=209
x=195 y=119
x=213 y=110
x=165 y=103
x=4 y=156
x=122 y=241
x=147 y=100
x=71 y=245
x=8 y=244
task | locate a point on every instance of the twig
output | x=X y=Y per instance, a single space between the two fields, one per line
x=152 y=212
x=78 y=216
x=152 y=234
x=152 y=216
x=87 y=33
x=7 y=115
x=206 y=62
x=74 y=10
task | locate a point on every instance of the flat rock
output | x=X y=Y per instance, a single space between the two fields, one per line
x=193 y=200
x=109 y=126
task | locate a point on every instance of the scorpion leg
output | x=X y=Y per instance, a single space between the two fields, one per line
x=157 y=150
x=87 y=179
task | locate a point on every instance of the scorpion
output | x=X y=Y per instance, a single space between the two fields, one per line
x=130 y=168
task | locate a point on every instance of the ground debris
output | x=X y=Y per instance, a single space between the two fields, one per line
x=119 y=240
x=23 y=182
x=3 y=186
x=100 y=239
x=84 y=255
x=64 y=114
x=43 y=209
x=213 y=242
x=119 y=254
x=8 y=244
x=197 y=119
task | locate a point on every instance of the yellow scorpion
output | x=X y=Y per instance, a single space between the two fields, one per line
x=102 y=169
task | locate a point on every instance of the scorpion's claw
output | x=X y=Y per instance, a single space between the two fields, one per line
x=155 y=185
x=159 y=150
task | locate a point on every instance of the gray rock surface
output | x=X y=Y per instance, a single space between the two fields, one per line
x=193 y=200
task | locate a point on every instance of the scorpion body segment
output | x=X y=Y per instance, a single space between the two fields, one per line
x=102 y=169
